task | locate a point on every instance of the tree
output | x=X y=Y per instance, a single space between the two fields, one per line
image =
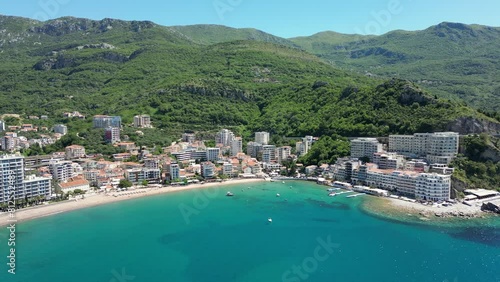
x=144 y=182
x=124 y=183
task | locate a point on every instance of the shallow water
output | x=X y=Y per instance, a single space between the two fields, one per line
x=204 y=236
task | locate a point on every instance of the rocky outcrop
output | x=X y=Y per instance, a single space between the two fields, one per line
x=69 y=25
x=491 y=207
x=457 y=186
x=55 y=63
x=96 y=46
x=470 y=125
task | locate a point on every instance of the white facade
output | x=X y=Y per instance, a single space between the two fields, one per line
x=365 y=147
x=439 y=147
x=236 y=146
x=61 y=170
x=112 y=135
x=14 y=185
x=268 y=153
x=224 y=137
x=433 y=187
x=174 y=172
x=262 y=137
x=282 y=153
x=74 y=152
x=2 y=125
x=142 y=121
x=213 y=154
x=101 y=121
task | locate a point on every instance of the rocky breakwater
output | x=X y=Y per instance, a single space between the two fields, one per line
x=493 y=206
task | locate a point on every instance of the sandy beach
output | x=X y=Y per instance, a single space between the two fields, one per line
x=101 y=199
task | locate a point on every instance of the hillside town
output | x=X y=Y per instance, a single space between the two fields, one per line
x=409 y=166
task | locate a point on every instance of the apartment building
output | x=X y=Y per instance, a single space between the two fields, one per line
x=142 y=121
x=15 y=185
x=224 y=137
x=262 y=137
x=74 y=152
x=236 y=146
x=365 y=148
x=439 y=147
x=112 y=135
x=268 y=153
x=433 y=187
x=61 y=170
x=103 y=121
x=61 y=129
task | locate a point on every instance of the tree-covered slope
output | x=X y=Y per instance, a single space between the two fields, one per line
x=128 y=68
x=450 y=59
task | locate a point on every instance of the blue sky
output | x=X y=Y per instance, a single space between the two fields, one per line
x=286 y=18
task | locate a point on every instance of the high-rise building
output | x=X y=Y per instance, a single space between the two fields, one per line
x=2 y=126
x=262 y=137
x=102 y=121
x=213 y=154
x=174 y=171
x=61 y=129
x=365 y=148
x=207 y=169
x=268 y=153
x=433 y=187
x=61 y=170
x=9 y=143
x=112 y=135
x=224 y=137
x=14 y=185
x=439 y=147
x=236 y=146
x=254 y=149
x=142 y=121
x=282 y=153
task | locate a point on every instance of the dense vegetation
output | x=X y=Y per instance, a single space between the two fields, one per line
x=452 y=60
x=479 y=166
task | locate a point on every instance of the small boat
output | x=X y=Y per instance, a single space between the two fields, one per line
x=332 y=194
x=332 y=189
x=283 y=182
x=229 y=194
x=270 y=219
x=277 y=195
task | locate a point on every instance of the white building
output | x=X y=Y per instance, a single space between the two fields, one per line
x=301 y=148
x=208 y=170
x=365 y=148
x=236 y=146
x=262 y=137
x=74 y=184
x=227 y=169
x=61 y=170
x=282 y=153
x=439 y=147
x=386 y=160
x=103 y=121
x=268 y=153
x=61 y=129
x=174 y=172
x=2 y=126
x=112 y=135
x=433 y=187
x=213 y=154
x=14 y=184
x=74 y=152
x=224 y=137
x=142 y=121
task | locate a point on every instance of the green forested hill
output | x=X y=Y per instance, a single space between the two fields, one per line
x=450 y=59
x=129 y=68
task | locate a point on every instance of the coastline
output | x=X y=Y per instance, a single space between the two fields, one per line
x=404 y=211
x=101 y=199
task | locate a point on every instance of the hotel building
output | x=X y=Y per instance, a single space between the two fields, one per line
x=365 y=148
x=14 y=182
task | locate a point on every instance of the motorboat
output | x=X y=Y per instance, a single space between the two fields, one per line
x=332 y=194
x=277 y=195
x=229 y=194
x=270 y=219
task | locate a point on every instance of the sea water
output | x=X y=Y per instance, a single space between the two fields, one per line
x=202 y=235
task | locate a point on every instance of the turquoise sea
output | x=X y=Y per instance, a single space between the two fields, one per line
x=205 y=236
